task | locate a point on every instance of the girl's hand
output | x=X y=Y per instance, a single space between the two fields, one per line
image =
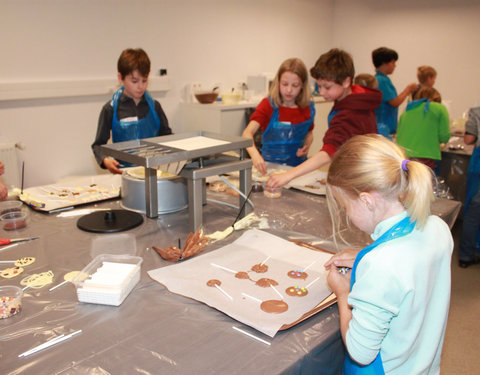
x=344 y=258
x=259 y=163
x=303 y=151
x=2 y=168
x=111 y=164
x=339 y=283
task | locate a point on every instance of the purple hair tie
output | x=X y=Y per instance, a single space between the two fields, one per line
x=404 y=164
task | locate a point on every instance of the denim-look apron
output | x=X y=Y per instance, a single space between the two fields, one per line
x=147 y=127
x=402 y=228
x=281 y=140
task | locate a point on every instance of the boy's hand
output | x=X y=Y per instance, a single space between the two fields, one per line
x=412 y=87
x=278 y=180
x=111 y=164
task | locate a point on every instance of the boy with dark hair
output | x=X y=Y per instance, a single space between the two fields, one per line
x=385 y=59
x=132 y=113
x=352 y=112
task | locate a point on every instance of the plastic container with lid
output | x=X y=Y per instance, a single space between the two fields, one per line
x=108 y=279
x=10 y=301
x=14 y=220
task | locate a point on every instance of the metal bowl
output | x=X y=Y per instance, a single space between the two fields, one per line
x=172 y=194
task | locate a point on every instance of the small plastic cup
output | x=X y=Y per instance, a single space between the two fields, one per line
x=272 y=192
x=10 y=301
x=10 y=206
x=14 y=220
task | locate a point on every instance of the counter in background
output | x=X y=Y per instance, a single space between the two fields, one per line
x=454 y=165
x=227 y=119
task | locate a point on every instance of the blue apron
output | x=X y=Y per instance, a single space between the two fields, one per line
x=147 y=127
x=331 y=115
x=280 y=140
x=473 y=176
x=402 y=228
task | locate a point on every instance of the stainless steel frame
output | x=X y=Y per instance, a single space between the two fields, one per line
x=201 y=163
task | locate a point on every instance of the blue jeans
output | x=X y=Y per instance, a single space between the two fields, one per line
x=470 y=228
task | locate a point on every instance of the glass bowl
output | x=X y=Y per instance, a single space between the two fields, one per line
x=271 y=192
x=14 y=220
x=10 y=206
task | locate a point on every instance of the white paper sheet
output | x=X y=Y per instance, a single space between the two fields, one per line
x=310 y=182
x=253 y=247
x=194 y=143
x=72 y=191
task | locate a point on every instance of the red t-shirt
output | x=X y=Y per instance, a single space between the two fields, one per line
x=264 y=111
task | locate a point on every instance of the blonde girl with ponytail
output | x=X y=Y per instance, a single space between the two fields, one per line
x=394 y=295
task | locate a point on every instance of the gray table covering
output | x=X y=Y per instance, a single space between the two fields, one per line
x=154 y=331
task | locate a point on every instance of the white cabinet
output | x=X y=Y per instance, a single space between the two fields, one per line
x=216 y=117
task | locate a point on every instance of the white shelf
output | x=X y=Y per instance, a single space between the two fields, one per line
x=21 y=90
x=218 y=106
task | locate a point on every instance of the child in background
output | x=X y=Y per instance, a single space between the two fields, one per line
x=385 y=59
x=352 y=112
x=3 y=188
x=423 y=126
x=394 y=302
x=471 y=213
x=285 y=118
x=366 y=80
x=426 y=76
x=132 y=113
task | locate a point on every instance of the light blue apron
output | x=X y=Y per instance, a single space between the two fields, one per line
x=280 y=140
x=400 y=229
x=147 y=127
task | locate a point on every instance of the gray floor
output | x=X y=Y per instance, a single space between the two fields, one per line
x=462 y=341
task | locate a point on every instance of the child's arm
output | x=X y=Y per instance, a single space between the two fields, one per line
x=257 y=159
x=306 y=145
x=444 y=125
x=3 y=188
x=3 y=192
x=403 y=95
x=316 y=161
x=340 y=285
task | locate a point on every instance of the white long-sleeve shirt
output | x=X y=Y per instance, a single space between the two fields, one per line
x=401 y=299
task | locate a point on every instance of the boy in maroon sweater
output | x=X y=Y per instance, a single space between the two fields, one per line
x=353 y=111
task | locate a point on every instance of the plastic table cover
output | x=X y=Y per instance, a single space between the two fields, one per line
x=154 y=331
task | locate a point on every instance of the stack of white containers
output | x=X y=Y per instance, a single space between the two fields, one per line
x=109 y=278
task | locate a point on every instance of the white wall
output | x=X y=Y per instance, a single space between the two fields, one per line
x=208 y=41
x=442 y=33
x=205 y=41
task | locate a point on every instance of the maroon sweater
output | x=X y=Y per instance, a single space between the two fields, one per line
x=353 y=115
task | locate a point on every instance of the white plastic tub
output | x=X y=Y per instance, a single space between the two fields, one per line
x=108 y=279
